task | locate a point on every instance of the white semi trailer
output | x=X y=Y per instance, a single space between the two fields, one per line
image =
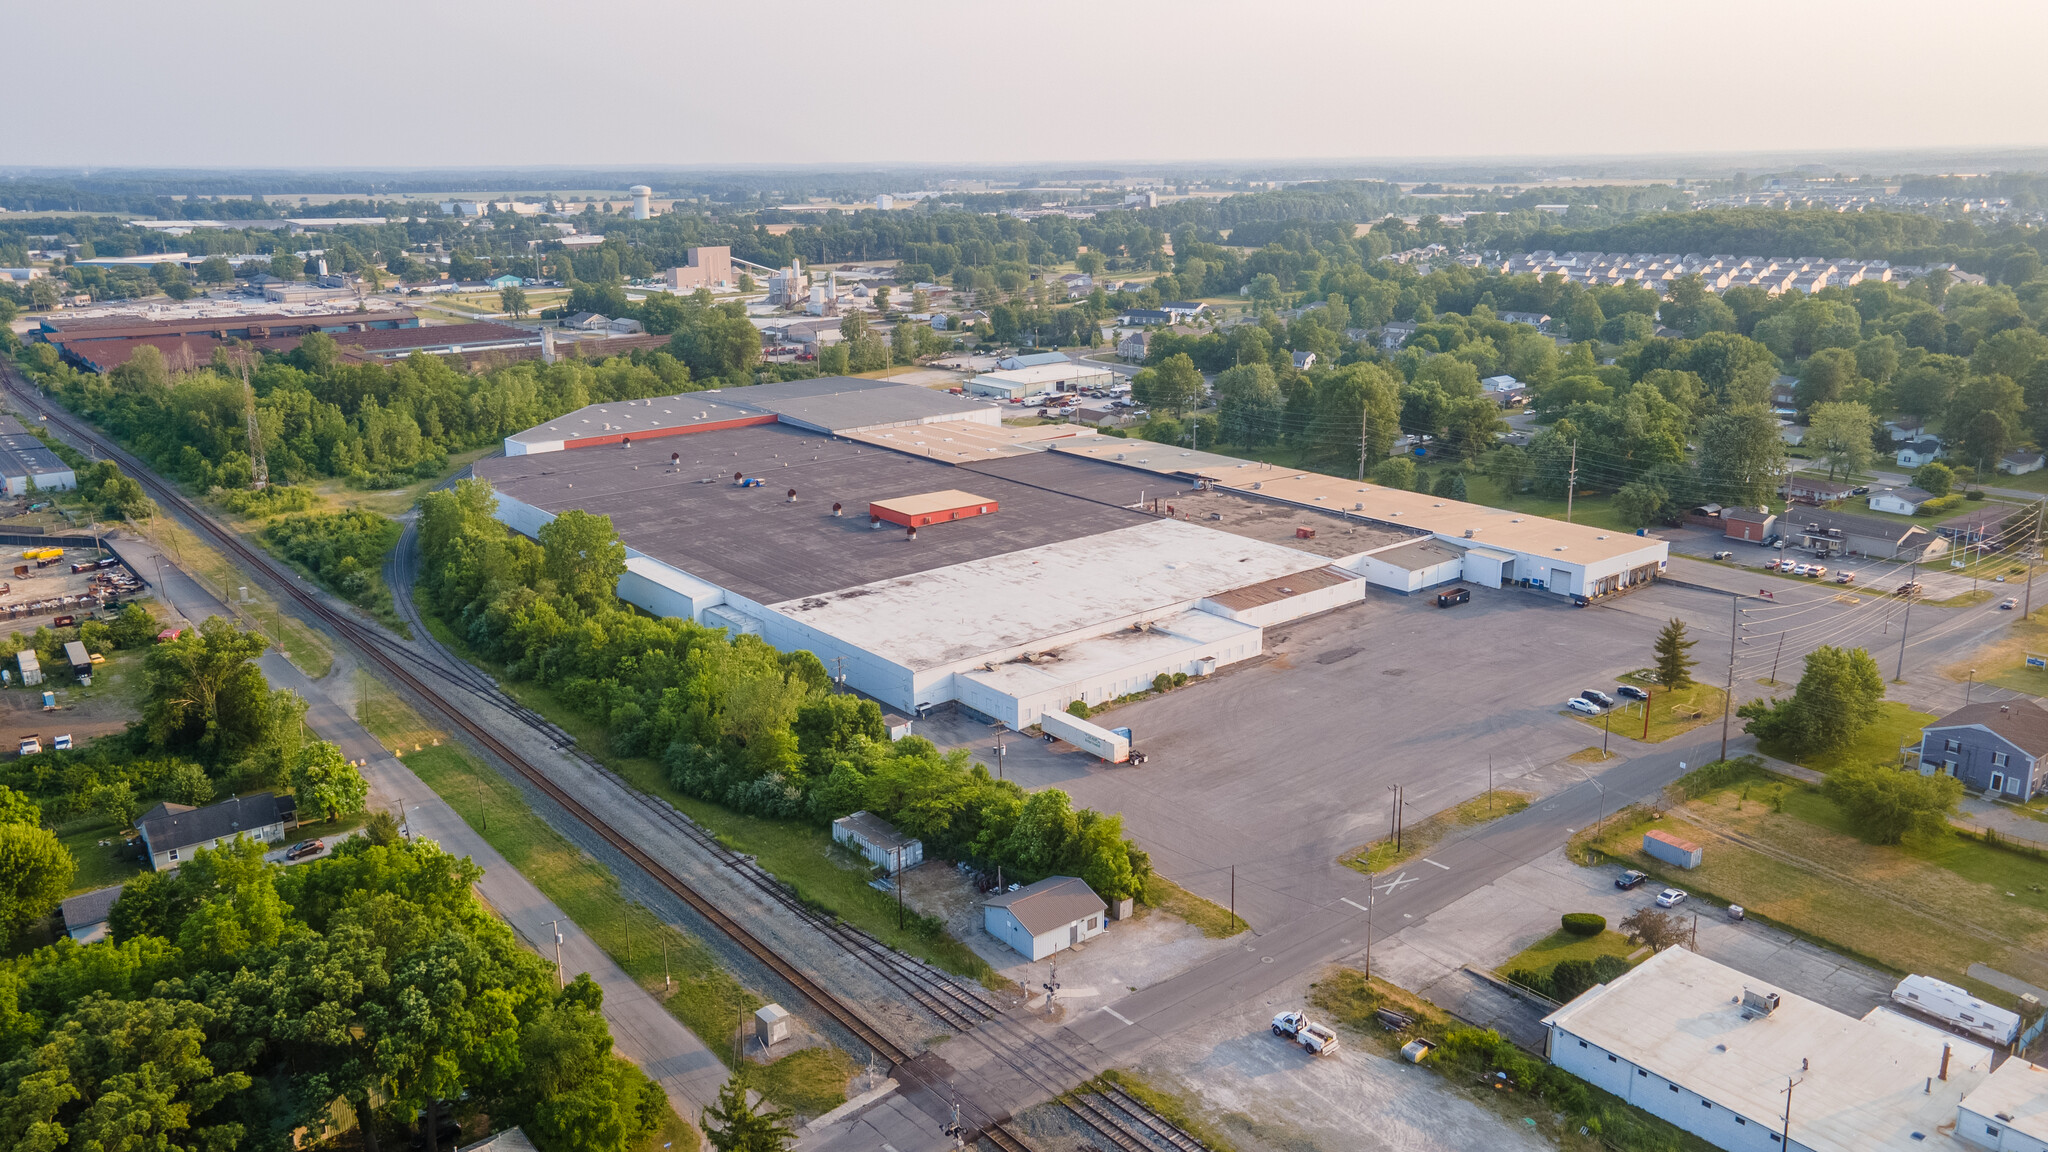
x=1114 y=747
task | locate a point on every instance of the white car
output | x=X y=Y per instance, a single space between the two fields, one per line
x=1581 y=704
x=1670 y=898
x=1799 y=569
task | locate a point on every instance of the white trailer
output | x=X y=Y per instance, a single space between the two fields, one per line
x=1115 y=747
x=1956 y=1007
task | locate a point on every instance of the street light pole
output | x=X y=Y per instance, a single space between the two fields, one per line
x=1728 y=698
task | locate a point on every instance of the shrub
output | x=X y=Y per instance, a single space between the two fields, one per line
x=1585 y=923
x=343 y=549
x=1720 y=774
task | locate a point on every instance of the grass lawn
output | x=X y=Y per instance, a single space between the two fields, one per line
x=1424 y=835
x=1932 y=906
x=1213 y=919
x=98 y=865
x=1878 y=743
x=1671 y=711
x=708 y=1000
x=1559 y=946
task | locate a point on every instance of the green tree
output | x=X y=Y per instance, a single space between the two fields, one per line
x=18 y=808
x=216 y=270
x=582 y=555
x=734 y=1124
x=1175 y=386
x=512 y=299
x=1450 y=486
x=1934 y=478
x=44 y=293
x=1640 y=503
x=324 y=781
x=204 y=692
x=286 y=266
x=1840 y=692
x=35 y=873
x=1395 y=472
x=1741 y=454
x=1840 y=431
x=1673 y=652
x=1249 y=404
x=1885 y=804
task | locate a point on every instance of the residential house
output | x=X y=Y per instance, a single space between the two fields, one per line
x=1040 y=919
x=507 y=280
x=1134 y=346
x=171 y=833
x=1533 y=319
x=1500 y=383
x=1901 y=501
x=1395 y=333
x=1303 y=361
x=1837 y=534
x=1791 y=432
x=1078 y=284
x=2021 y=461
x=587 y=322
x=1031 y=360
x=85 y=915
x=1922 y=451
x=1183 y=310
x=1815 y=489
x=1992 y=746
x=1134 y=317
x=1783 y=398
x=878 y=842
x=1752 y=524
x=1906 y=429
x=625 y=326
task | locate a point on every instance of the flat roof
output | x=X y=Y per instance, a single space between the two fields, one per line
x=1167 y=458
x=630 y=416
x=1862 y=1083
x=1017 y=599
x=1283 y=588
x=944 y=500
x=752 y=542
x=1099 y=656
x=1047 y=373
x=2015 y=1097
x=1424 y=552
x=963 y=441
x=1076 y=476
x=1275 y=521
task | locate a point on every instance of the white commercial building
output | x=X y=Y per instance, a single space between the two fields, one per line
x=1067 y=376
x=1713 y=1051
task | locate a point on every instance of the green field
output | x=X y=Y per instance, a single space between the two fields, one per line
x=1878 y=743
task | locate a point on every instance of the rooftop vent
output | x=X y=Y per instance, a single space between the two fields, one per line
x=1468 y=533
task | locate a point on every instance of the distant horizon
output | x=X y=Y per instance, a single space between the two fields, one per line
x=404 y=86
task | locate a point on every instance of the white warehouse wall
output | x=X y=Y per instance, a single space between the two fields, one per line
x=1293 y=607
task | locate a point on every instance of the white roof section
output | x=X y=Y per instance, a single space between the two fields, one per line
x=1862 y=1083
x=1032 y=597
x=2015 y=1097
x=1100 y=656
x=1048 y=373
x=635 y=417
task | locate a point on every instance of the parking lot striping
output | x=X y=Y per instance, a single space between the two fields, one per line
x=1115 y=1013
x=1445 y=867
x=1399 y=879
x=1354 y=903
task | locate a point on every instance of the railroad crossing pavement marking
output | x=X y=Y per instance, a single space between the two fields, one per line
x=1354 y=904
x=1391 y=886
x=1427 y=860
x=1115 y=1013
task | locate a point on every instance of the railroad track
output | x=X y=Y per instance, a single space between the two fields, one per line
x=960 y=1006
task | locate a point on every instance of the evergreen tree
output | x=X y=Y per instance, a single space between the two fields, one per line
x=734 y=1125
x=1674 y=659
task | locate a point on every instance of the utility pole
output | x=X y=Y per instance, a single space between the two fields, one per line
x=1785 y=1133
x=1969 y=685
x=899 y=888
x=2033 y=546
x=1571 y=484
x=1233 y=899
x=258 y=470
x=560 y=982
x=1606 y=730
x=1906 y=624
x=1728 y=698
x=667 y=984
x=1370 y=892
x=1774 y=659
x=1489 y=781
x=1364 y=431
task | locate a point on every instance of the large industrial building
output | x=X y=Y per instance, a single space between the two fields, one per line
x=929 y=554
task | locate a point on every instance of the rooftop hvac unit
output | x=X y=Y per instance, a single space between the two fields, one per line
x=1756 y=1003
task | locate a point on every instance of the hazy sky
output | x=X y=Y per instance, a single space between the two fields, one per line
x=428 y=83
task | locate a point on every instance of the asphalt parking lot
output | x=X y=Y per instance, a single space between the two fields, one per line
x=1279 y=767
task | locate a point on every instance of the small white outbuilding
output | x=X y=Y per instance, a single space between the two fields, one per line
x=1040 y=919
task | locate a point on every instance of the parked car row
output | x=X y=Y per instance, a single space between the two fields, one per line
x=1811 y=571
x=1592 y=701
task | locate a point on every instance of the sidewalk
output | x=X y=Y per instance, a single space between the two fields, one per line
x=642 y=1030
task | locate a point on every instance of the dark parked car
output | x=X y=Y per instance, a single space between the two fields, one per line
x=1630 y=879
x=1860 y=490
x=1633 y=692
x=1454 y=596
x=1597 y=697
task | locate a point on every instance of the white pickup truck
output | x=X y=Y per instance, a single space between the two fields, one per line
x=1313 y=1037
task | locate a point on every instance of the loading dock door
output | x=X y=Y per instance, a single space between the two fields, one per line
x=1487 y=568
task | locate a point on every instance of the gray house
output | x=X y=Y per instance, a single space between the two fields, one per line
x=173 y=833
x=1992 y=747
